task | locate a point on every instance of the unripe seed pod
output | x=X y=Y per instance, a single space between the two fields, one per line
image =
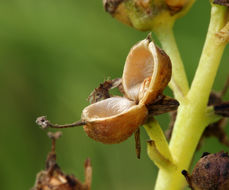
x=146 y=15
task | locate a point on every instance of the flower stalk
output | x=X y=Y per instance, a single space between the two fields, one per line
x=179 y=82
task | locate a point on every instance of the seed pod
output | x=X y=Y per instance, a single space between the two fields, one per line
x=146 y=73
x=113 y=120
x=210 y=173
x=145 y=14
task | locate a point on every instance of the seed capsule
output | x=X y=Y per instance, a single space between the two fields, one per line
x=210 y=173
x=147 y=72
x=146 y=15
x=113 y=120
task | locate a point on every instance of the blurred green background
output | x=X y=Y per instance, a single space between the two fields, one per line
x=53 y=53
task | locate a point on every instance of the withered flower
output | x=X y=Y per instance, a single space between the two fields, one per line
x=52 y=178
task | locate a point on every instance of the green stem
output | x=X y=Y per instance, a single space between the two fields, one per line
x=192 y=118
x=158 y=149
x=179 y=82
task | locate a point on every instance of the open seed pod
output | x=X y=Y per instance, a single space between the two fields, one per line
x=113 y=120
x=146 y=73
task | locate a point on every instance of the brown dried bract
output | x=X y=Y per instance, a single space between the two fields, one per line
x=52 y=178
x=210 y=173
x=164 y=104
x=222 y=2
x=222 y=109
x=111 y=5
x=102 y=92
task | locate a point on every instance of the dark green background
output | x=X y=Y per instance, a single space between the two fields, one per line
x=52 y=54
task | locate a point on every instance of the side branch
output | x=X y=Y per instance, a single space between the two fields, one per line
x=158 y=149
x=155 y=155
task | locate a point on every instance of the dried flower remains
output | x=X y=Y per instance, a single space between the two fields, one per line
x=52 y=178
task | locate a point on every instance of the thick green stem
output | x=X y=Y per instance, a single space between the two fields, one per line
x=192 y=118
x=179 y=82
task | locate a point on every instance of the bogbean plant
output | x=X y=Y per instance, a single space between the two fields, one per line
x=194 y=114
x=147 y=71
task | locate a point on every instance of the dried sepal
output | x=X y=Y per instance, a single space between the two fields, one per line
x=102 y=92
x=222 y=2
x=113 y=120
x=222 y=109
x=147 y=72
x=164 y=104
x=111 y=5
x=210 y=172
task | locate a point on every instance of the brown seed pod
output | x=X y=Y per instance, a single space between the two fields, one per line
x=210 y=173
x=113 y=120
x=147 y=72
